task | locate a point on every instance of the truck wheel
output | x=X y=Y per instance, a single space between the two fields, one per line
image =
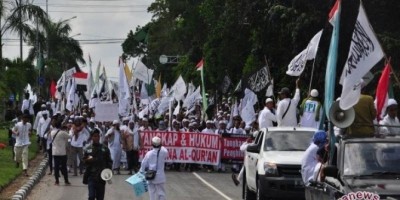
x=248 y=194
x=260 y=195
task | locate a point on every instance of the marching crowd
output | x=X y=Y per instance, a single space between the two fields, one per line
x=68 y=137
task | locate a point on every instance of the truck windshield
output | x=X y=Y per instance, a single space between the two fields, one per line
x=363 y=159
x=288 y=140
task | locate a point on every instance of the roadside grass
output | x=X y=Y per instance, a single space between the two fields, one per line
x=8 y=172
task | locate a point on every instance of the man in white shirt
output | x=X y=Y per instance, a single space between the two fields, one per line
x=38 y=117
x=59 y=140
x=286 y=110
x=113 y=137
x=209 y=127
x=22 y=131
x=78 y=141
x=390 y=123
x=43 y=128
x=27 y=107
x=236 y=128
x=267 y=115
x=155 y=160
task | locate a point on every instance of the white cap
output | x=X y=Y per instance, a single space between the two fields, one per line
x=269 y=100
x=392 y=102
x=115 y=122
x=43 y=106
x=314 y=93
x=156 y=141
x=45 y=112
x=92 y=120
x=126 y=119
x=222 y=122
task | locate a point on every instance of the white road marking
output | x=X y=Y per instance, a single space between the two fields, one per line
x=211 y=186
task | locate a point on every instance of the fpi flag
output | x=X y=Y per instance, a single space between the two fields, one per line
x=296 y=66
x=365 y=51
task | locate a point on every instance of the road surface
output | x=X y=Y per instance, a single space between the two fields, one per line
x=179 y=186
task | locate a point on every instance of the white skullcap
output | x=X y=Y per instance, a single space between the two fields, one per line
x=392 y=102
x=209 y=122
x=125 y=119
x=156 y=141
x=222 y=122
x=43 y=106
x=115 y=122
x=185 y=120
x=145 y=119
x=92 y=120
x=45 y=112
x=314 y=93
x=269 y=100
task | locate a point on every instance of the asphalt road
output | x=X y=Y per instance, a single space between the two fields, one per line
x=179 y=186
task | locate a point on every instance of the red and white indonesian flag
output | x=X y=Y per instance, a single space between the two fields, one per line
x=81 y=79
x=296 y=66
x=365 y=51
x=382 y=96
x=199 y=65
x=334 y=14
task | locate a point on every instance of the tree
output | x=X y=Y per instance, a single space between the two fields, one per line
x=63 y=51
x=16 y=16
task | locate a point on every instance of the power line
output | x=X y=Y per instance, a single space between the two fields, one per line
x=111 y=12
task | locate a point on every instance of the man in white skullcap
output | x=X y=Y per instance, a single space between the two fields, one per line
x=222 y=127
x=155 y=160
x=43 y=127
x=209 y=127
x=310 y=110
x=113 y=136
x=267 y=115
x=390 y=121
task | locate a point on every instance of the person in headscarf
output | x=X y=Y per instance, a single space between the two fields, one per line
x=309 y=160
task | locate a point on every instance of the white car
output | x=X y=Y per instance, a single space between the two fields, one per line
x=273 y=163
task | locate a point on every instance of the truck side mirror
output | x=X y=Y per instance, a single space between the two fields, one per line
x=331 y=171
x=253 y=148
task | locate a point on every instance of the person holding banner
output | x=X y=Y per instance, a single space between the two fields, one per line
x=155 y=160
x=113 y=137
x=96 y=158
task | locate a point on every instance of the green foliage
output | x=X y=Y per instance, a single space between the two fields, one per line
x=7 y=164
x=237 y=37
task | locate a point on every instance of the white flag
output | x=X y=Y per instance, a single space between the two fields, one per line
x=179 y=89
x=365 y=51
x=249 y=97
x=144 y=97
x=123 y=87
x=248 y=114
x=270 y=89
x=143 y=73
x=190 y=100
x=296 y=66
x=71 y=100
x=177 y=108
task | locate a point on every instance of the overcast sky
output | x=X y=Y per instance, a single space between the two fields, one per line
x=96 y=21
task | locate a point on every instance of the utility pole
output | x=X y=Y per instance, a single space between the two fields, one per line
x=20 y=30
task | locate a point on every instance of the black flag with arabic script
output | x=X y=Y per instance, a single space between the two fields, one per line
x=226 y=83
x=258 y=80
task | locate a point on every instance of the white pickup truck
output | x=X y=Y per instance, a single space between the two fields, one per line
x=273 y=163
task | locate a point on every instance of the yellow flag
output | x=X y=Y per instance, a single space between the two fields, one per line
x=158 y=87
x=128 y=73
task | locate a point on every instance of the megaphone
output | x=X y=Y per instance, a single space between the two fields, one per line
x=106 y=175
x=341 y=118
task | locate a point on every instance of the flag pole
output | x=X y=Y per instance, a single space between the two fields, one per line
x=312 y=76
x=203 y=93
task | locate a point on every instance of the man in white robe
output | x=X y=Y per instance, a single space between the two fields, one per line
x=113 y=137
